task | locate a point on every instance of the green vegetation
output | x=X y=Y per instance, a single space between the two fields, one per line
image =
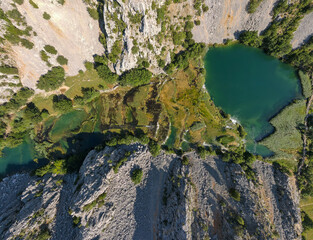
x=20 y=2
x=62 y=60
x=8 y=70
x=106 y=74
x=253 y=5
x=50 y=49
x=287 y=140
x=58 y=168
x=118 y=164
x=135 y=77
x=46 y=16
x=115 y=51
x=234 y=194
x=62 y=103
x=76 y=220
x=306 y=84
x=43 y=235
x=136 y=176
x=154 y=148
x=93 y=13
x=250 y=38
x=136 y=18
x=185 y=160
x=99 y=201
x=52 y=79
x=31 y=2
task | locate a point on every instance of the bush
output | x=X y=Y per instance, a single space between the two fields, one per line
x=62 y=60
x=105 y=73
x=250 y=38
x=135 y=77
x=57 y=168
x=33 y=4
x=50 y=49
x=234 y=194
x=136 y=176
x=52 y=79
x=26 y=43
x=253 y=5
x=8 y=70
x=93 y=13
x=307 y=222
x=32 y=113
x=185 y=160
x=197 y=22
x=62 y=103
x=154 y=148
x=46 y=16
x=20 y=2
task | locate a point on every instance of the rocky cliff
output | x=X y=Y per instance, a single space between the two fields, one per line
x=204 y=199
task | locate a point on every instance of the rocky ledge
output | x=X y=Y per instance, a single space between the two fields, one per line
x=198 y=199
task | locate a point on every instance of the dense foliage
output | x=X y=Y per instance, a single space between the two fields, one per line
x=52 y=79
x=62 y=103
x=136 y=176
x=250 y=38
x=106 y=74
x=135 y=77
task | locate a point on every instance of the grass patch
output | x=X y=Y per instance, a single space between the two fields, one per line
x=306 y=84
x=306 y=205
x=286 y=140
x=89 y=78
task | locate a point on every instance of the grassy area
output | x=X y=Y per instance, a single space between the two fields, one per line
x=89 y=78
x=286 y=141
x=306 y=205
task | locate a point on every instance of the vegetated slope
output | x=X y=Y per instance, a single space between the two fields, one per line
x=26 y=33
x=191 y=199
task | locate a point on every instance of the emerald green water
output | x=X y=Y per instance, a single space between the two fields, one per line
x=250 y=86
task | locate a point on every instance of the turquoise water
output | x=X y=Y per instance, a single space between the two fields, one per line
x=16 y=157
x=250 y=86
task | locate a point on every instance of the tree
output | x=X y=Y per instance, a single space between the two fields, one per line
x=136 y=176
x=62 y=103
x=32 y=113
x=135 y=77
x=154 y=148
x=52 y=79
x=250 y=38
x=105 y=73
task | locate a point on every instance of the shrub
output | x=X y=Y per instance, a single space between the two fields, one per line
x=76 y=220
x=234 y=194
x=307 y=222
x=32 y=113
x=26 y=43
x=62 y=103
x=46 y=16
x=20 y=2
x=50 y=49
x=52 y=79
x=197 y=22
x=240 y=220
x=136 y=176
x=135 y=77
x=154 y=148
x=135 y=49
x=253 y=5
x=93 y=13
x=8 y=70
x=33 y=4
x=185 y=160
x=178 y=37
x=62 y=60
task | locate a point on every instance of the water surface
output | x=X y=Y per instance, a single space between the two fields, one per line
x=250 y=86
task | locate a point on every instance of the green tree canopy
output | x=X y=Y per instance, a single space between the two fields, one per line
x=135 y=77
x=52 y=79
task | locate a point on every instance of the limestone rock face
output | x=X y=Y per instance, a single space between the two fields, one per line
x=172 y=201
x=226 y=19
x=138 y=33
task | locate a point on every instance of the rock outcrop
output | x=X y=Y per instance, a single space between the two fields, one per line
x=172 y=201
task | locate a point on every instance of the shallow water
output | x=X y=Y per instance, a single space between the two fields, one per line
x=251 y=86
